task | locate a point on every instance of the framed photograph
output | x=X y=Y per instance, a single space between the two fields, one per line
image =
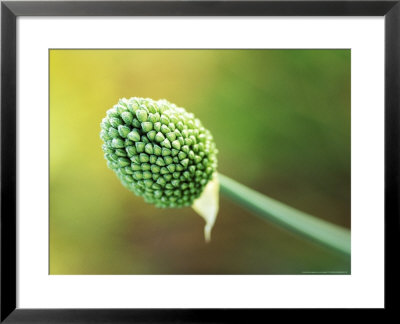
x=197 y=161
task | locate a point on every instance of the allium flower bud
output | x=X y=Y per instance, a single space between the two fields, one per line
x=158 y=151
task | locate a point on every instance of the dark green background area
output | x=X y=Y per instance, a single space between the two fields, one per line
x=281 y=121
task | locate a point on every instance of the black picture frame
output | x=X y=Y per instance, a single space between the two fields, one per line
x=10 y=10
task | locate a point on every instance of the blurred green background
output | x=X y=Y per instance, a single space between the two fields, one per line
x=281 y=121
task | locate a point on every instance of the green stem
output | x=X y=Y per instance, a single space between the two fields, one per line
x=269 y=209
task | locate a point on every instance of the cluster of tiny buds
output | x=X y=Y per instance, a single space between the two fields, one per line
x=158 y=151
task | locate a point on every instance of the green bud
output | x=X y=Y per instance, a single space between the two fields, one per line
x=185 y=163
x=112 y=113
x=134 y=135
x=107 y=149
x=140 y=147
x=168 y=160
x=171 y=126
x=149 y=148
x=141 y=115
x=136 y=123
x=181 y=155
x=115 y=122
x=138 y=175
x=147 y=175
x=120 y=152
x=147 y=127
x=127 y=117
x=135 y=159
x=165 y=129
x=105 y=124
x=128 y=178
x=151 y=135
x=128 y=142
x=123 y=162
x=136 y=167
x=153 y=159
x=111 y=157
x=157 y=126
x=131 y=150
x=160 y=162
x=164 y=170
x=145 y=166
x=153 y=118
x=113 y=133
x=166 y=151
x=117 y=143
x=176 y=145
x=171 y=167
x=155 y=168
x=128 y=170
x=166 y=143
x=104 y=135
x=152 y=107
x=171 y=136
x=185 y=148
x=123 y=131
x=158 y=151
x=164 y=119
x=159 y=137
x=144 y=139
x=143 y=157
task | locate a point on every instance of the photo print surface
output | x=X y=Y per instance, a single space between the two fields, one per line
x=137 y=138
